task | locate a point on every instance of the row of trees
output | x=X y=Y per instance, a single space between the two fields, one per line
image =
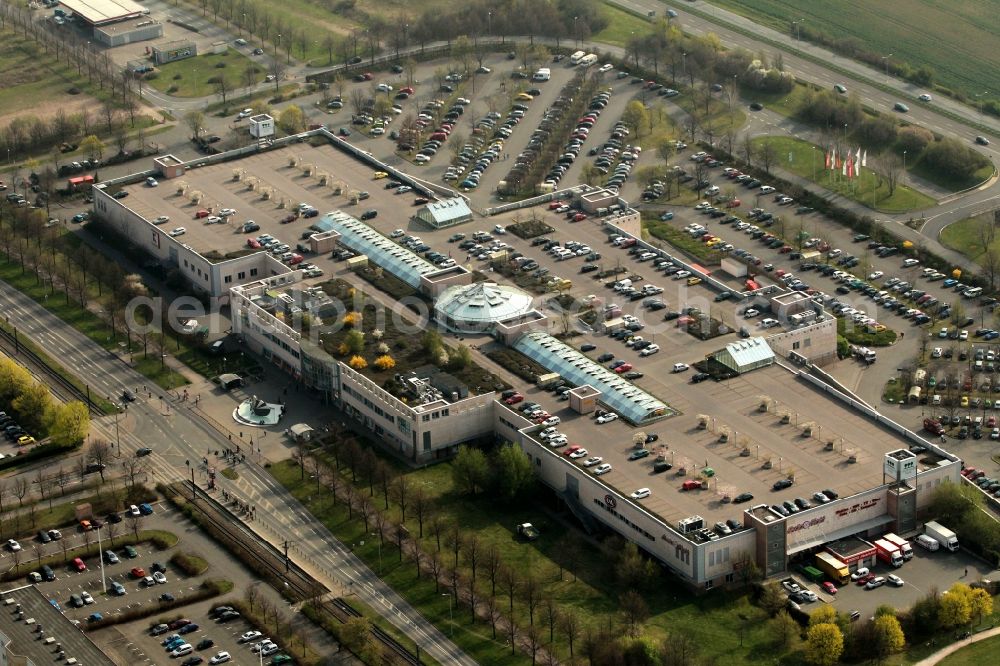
x=31 y=403
x=60 y=262
x=831 y=636
x=516 y=603
x=119 y=90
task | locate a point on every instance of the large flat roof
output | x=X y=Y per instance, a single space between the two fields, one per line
x=270 y=169
x=37 y=612
x=103 y=11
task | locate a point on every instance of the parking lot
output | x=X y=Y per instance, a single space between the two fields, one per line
x=925 y=572
x=132 y=641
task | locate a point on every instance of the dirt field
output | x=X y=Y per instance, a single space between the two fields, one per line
x=32 y=83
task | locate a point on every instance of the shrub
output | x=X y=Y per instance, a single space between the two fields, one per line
x=220 y=65
x=342 y=349
x=352 y=319
x=385 y=362
x=358 y=362
x=189 y=565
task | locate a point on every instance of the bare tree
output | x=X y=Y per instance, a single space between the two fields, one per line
x=492 y=613
x=20 y=489
x=508 y=578
x=251 y=594
x=435 y=565
x=569 y=624
x=767 y=155
x=401 y=494
x=277 y=69
x=550 y=611
x=531 y=590
x=222 y=87
x=891 y=168
x=421 y=508
x=99 y=453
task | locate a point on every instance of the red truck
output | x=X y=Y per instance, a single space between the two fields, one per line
x=888 y=553
x=933 y=426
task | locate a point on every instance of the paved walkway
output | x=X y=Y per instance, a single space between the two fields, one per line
x=958 y=645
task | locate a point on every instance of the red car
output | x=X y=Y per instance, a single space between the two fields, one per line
x=253 y=242
x=177 y=624
x=296 y=259
x=571 y=449
x=514 y=399
x=408 y=90
x=579 y=217
x=864 y=579
x=289 y=218
x=624 y=367
x=555 y=204
x=200 y=214
x=829 y=587
x=734 y=203
x=368 y=76
x=691 y=484
x=138 y=572
x=78 y=564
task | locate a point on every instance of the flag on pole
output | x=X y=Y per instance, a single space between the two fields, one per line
x=857 y=156
x=833 y=159
x=843 y=167
x=864 y=159
x=826 y=159
x=850 y=167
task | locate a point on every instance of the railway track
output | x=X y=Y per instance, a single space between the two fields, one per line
x=272 y=562
x=38 y=366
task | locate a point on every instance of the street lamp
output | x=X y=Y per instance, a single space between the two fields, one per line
x=489 y=18
x=576 y=31
x=885 y=59
x=451 y=615
x=904 y=169
x=797 y=24
x=978 y=96
x=379 y=552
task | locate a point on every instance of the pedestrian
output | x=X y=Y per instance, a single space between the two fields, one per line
x=966 y=572
x=902 y=334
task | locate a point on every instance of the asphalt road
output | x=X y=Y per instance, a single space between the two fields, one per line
x=178 y=436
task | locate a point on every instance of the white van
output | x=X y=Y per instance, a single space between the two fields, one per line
x=543 y=74
x=622 y=285
x=927 y=542
x=712 y=191
x=769 y=323
x=588 y=60
x=577 y=57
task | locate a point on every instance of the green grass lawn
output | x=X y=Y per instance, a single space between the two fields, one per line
x=621 y=26
x=807 y=162
x=957 y=39
x=713 y=621
x=24 y=75
x=976 y=654
x=964 y=236
x=191 y=77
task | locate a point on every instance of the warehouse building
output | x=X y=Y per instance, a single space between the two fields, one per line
x=115 y=22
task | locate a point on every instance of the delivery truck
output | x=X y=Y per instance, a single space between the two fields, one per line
x=832 y=567
x=888 y=553
x=902 y=544
x=942 y=535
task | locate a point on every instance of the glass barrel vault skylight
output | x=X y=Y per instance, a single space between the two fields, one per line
x=629 y=401
x=359 y=237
